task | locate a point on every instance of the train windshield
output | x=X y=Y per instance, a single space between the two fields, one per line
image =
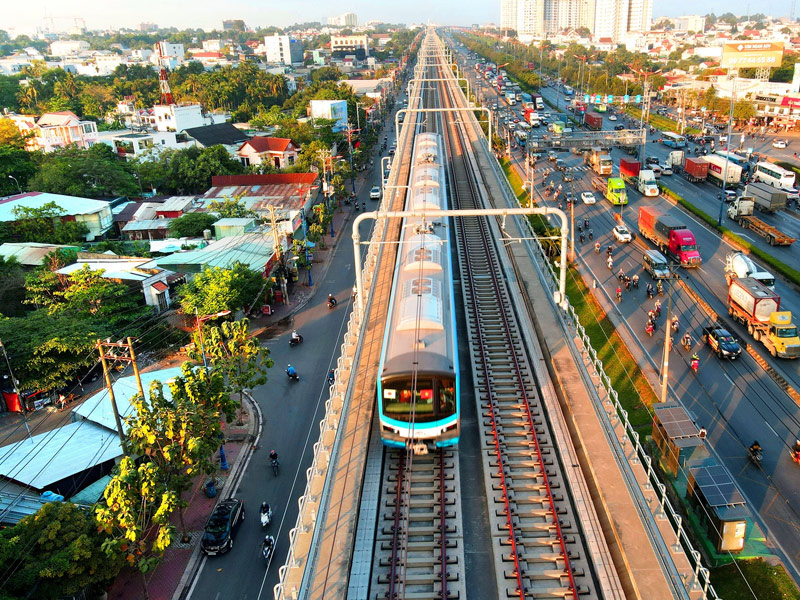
x=431 y=399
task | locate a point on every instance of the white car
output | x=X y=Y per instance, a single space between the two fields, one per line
x=622 y=234
x=779 y=144
x=375 y=193
x=665 y=169
x=588 y=198
x=612 y=117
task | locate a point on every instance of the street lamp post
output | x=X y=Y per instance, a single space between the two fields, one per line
x=19 y=189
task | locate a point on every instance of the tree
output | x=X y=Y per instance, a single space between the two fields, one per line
x=239 y=357
x=135 y=516
x=10 y=135
x=230 y=208
x=12 y=280
x=180 y=432
x=17 y=163
x=187 y=171
x=192 y=224
x=54 y=553
x=44 y=225
x=217 y=289
x=326 y=74
x=92 y=173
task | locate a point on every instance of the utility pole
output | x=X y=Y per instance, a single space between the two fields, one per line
x=732 y=75
x=16 y=390
x=350 y=131
x=105 y=355
x=276 y=241
x=571 y=231
x=667 y=336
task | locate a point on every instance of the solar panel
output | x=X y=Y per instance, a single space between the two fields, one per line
x=676 y=421
x=717 y=486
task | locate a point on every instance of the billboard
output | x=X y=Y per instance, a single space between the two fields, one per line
x=739 y=55
x=331 y=109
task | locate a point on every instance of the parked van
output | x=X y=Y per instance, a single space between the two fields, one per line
x=655 y=264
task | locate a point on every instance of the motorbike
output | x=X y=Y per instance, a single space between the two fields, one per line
x=265 y=514
x=331 y=377
x=687 y=344
x=267 y=548
x=292 y=376
x=650 y=329
x=695 y=365
x=597 y=248
x=275 y=464
x=610 y=264
x=674 y=326
x=295 y=341
x=649 y=293
x=755 y=457
x=660 y=288
x=795 y=456
x=331 y=302
x=635 y=282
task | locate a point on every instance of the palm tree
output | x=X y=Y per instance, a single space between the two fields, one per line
x=28 y=97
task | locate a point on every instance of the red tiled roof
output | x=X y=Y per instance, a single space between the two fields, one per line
x=208 y=55
x=265 y=179
x=160 y=286
x=267 y=144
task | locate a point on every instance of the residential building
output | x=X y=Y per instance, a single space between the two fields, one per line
x=95 y=214
x=222 y=133
x=640 y=15
x=30 y=254
x=687 y=23
x=56 y=130
x=213 y=45
x=130 y=144
x=357 y=45
x=100 y=65
x=508 y=15
x=530 y=21
x=231 y=227
x=68 y=47
x=146 y=229
x=282 y=50
x=345 y=20
x=140 y=274
x=168 y=55
x=148 y=27
x=178 y=117
x=234 y=25
x=279 y=152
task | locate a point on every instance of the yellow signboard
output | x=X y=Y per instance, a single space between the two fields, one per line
x=740 y=55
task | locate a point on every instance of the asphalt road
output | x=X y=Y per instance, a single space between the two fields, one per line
x=292 y=412
x=735 y=400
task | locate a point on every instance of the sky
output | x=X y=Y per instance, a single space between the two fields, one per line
x=208 y=14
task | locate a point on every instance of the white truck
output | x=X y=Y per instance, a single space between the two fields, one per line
x=675 y=160
x=717 y=171
x=647 y=183
x=738 y=265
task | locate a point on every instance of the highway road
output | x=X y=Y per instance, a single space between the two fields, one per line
x=737 y=401
x=291 y=412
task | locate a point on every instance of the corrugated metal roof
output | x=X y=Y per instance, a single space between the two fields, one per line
x=72 y=205
x=177 y=203
x=52 y=456
x=97 y=408
x=252 y=249
x=30 y=253
x=16 y=506
x=115 y=268
x=147 y=225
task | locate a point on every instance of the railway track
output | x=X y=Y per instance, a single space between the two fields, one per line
x=535 y=534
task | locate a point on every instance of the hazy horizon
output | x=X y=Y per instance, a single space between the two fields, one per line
x=204 y=14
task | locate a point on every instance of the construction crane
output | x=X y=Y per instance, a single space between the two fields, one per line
x=163 y=82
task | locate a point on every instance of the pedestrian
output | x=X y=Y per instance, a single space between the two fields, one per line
x=62 y=402
x=703 y=433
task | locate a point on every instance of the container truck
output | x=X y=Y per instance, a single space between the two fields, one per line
x=670 y=235
x=755 y=305
x=696 y=169
x=767 y=199
x=675 y=160
x=613 y=189
x=532 y=117
x=593 y=121
x=642 y=180
x=741 y=211
x=511 y=97
x=738 y=266
x=526 y=98
x=538 y=101
x=716 y=171
x=600 y=161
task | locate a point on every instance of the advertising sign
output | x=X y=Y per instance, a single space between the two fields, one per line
x=743 y=54
x=791 y=102
x=331 y=109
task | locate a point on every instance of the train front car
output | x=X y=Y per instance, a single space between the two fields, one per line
x=418 y=388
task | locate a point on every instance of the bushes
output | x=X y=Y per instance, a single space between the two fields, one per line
x=659 y=122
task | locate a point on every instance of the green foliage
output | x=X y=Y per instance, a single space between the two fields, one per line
x=326 y=74
x=230 y=208
x=135 y=515
x=217 y=289
x=17 y=163
x=191 y=224
x=12 y=291
x=92 y=173
x=44 y=225
x=54 y=553
x=186 y=171
x=232 y=352
x=737 y=581
x=179 y=433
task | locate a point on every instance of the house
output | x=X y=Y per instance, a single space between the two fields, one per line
x=230 y=227
x=223 y=133
x=254 y=249
x=30 y=254
x=95 y=214
x=146 y=229
x=56 y=130
x=174 y=207
x=280 y=152
x=140 y=273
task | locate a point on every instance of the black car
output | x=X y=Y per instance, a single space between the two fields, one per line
x=218 y=534
x=619 y=127
x=651 y=160
x=722 y=342
x=561 y=165
x=567 y=176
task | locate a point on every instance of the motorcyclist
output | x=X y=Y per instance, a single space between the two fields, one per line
x=796 y=450
x=597 y=248
x=649 y=328
x=621 y=274
x=291 y=371
x=331 y=376
x=755 y=447
x=635 y=281
x=331 y=300
x=660 y=287
x=273 y=455
x=267 y=546
x=610 y=250
x=675 y=324
x=649 y=290
x=610 y=263
x=657 y=308
x=619 y=293
x=295 y=335
x=695 y=362
x=591 y=236
x=687 y=340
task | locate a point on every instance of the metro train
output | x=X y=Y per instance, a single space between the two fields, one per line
x=419 y=401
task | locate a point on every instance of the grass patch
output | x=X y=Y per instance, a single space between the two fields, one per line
x=659 y=122
x=516 y=182
x=770 y=583
x=635 y=394
x=781 y=267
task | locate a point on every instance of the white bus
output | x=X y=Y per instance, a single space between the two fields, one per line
x=774 y=175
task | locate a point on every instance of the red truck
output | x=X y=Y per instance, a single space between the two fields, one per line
x=671 y=236
x=530 y=118
x=696 y=169
x=593 y=121
x=629 y=168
